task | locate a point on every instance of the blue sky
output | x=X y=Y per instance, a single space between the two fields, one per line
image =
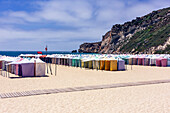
x=65 y=24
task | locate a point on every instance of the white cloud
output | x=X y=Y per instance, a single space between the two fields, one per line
x=46 y=34
x=78 y=9
x=25 y=16
x=67 y=11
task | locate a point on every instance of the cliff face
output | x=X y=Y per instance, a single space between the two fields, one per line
x=147 y=34
x=90 y=47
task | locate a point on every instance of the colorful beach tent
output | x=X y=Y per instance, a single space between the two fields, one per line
x=39 y=67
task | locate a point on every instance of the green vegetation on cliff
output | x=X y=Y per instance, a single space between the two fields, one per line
x=145 y=39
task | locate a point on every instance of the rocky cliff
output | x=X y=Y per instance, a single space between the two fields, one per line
x=147 y=34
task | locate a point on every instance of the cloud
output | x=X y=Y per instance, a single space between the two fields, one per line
x=67 y=11
x=25 y=16
x=49 y=35
x=69 y=22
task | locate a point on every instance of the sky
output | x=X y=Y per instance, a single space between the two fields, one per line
x=62 y=25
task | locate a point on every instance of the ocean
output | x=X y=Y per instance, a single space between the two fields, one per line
x=17 y=53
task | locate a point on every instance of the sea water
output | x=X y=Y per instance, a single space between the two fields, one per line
x=17 y=53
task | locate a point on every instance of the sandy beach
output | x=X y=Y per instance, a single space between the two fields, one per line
x=147 y=98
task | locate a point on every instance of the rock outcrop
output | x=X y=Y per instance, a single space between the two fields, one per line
x=140 y=35
x=90 y=47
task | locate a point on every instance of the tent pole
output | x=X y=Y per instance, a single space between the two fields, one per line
x=97 y=65
x=8 y=71
x=104 y=65
x=55 y=65
x=131 y=66
x=118 y=65
x=1 y=71
x=35 y=68
x=50 y=69
x=47 y=64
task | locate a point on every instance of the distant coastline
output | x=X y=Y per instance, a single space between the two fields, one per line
x=17 y=53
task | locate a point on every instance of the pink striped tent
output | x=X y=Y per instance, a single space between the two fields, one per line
x=158 y=62
x=164 y=62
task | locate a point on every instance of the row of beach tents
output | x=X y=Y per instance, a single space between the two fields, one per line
x=86 y=61
x=24 y=67
x=34 y=65
x=108 y=61
x=162 y=60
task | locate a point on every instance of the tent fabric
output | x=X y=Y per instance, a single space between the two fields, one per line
x=168 y=62
x=98 y=64
x=58 y=61
x=13 y=69
x=146 y=62
x=20 y=70
x=121 y=65
x=158 y=62
x=16 y=69
x=164 y=62
x=0 y=64
x=90 y=64
x=3 y=65
x=113 y=65
x=27 y=69
x=40 y=69
x=77 y=63
x=153 y=62
x=10 y=68
x=82 y=63
x=95 y=66
x=53 y=60
x=61 y=61
x=66 y=62
x=102 y=64
x=74 y=62
x=130 y=61
x=107 y=65
x=140 y=61
x=86 y=64
x=70 y=62
x=135 y=60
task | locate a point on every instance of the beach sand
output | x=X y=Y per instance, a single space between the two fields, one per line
x=147 y=98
